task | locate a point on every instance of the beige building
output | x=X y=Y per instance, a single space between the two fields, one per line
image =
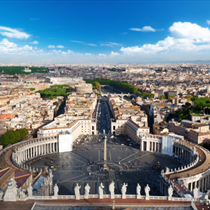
x=195 y=132
x=83 y=88
x=80 y=106
x=63 y=125
x=129 y=119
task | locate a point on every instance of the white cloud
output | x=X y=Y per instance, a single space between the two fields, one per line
x=13 y=33
x=34 y=42
x=110 y=44
x=114 y=53
x=144 y=29
x=190 y=31
x=10 y=47
x=208 y=22
x=101 y=55
x=60 y=46
x=80 y=42
x=184 y=36
x=51 y=46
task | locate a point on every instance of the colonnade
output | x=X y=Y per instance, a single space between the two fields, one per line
x=35 y=148
x=190 y=153
x=151 y=143
x=151 y=146
x=183 y=152
x=203 y=184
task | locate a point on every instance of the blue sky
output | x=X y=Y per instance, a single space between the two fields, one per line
x=104 y=31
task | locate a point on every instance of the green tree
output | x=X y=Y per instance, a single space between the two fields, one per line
x=189 y=97
x=170 y=97
x=162 y=97
x=187 y=104
x=11 y=137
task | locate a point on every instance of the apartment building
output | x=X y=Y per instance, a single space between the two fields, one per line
x=193 y=131
x=128 y=119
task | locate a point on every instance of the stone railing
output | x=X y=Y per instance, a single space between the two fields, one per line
x=182 y=168
x=72 y=197
x=194 y=155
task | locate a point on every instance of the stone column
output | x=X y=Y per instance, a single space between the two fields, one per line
x=204 y=184
x=142 y=145
x=42 y=149
x=57 y=150
x=20 y=157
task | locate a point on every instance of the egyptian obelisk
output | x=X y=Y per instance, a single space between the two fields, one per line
x=105 y=157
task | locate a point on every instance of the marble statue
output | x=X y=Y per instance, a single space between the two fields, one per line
x=30 y=190
x=101 y=191
x=87 y=191
x=22 y=195
x=123 y=190
x=111 y=189
x=50 y=174
x=55 y=189
x=170 y=192
x=195 y=192
x=138 y=191
x=76 y=192
x=11 y=191
x=147 y=189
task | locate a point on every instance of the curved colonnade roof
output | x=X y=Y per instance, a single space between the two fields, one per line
x=202 y=165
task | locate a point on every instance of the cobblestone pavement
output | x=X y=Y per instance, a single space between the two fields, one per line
x=127 y=164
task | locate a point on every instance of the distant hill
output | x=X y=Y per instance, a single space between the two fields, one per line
x=19 y=70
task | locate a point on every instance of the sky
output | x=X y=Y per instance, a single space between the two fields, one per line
x=117 y=31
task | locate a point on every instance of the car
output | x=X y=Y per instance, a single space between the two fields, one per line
x=122 y=144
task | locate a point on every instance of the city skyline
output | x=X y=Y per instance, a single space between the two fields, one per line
x=104 y=32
